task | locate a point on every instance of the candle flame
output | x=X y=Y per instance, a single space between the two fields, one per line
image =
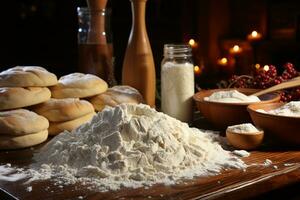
x=266 y=68
x=236 y=48
x=224 y=61
x=192 y=42
x=257 y=66
x=254 y=36
x=197 y=69
x=254 y=33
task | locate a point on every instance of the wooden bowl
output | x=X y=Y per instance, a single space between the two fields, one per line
x=285 y=129
x=246 y=141
x=222 y=114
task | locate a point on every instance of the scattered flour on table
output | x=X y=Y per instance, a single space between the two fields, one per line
x=29 y=189
x=268 y=162
x=288 y=164
x=241 y=153
x=131 y=146
x=11 y=174
x=291 y=109
x=231 y=96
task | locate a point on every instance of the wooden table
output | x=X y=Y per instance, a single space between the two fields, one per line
x=230 y=184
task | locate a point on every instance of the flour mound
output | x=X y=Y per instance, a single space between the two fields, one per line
x=290 y=109
x=131 y=146
x=231 y=96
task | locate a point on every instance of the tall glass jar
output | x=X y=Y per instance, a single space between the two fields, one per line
x=95 y=43
x=177 y=82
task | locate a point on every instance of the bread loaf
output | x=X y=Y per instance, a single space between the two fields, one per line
x=17 y=142
x=59 y=110
x=27 y=76
x=21 y=122
x=78 y=85
x=18 y=97
x=58 y=127
x=116 y=95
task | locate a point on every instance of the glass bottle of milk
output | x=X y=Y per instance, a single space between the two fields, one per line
x=177 y=82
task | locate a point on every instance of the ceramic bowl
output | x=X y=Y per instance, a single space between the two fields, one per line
x=284 y=129
x=246 y=141
x=222 y=114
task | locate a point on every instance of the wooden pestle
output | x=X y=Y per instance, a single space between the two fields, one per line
x=138 y=65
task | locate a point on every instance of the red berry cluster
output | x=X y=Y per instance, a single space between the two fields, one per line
x=266 y=77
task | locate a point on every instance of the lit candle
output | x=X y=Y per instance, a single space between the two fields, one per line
x=254 y=36
x=197 y=70
x=257 y=66
x=266 y=68
x=222 y=61
x=193 y=43
x=236 y=49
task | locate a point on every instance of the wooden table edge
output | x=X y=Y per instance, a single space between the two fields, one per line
x=255 y=184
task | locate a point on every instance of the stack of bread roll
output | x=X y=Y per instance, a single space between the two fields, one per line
x=65 y=114
x=65 y=110
x=22 y=128
x=22 y=87
x=71 y=102
x=69 y=109
x=95 y=90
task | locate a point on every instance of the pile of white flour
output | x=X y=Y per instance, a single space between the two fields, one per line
x=290 y=109
x=131 y=146
x=243 y=128
x=231 y=96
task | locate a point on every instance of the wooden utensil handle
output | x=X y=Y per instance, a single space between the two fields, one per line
x=288 y=84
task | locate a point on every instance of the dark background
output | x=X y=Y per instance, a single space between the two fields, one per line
x=44 y=32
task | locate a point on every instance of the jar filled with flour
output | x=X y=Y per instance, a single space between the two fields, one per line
x=177 y=81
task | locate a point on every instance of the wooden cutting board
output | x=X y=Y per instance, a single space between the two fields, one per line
x=230 y=184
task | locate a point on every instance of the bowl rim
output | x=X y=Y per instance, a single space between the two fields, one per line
x=250 y=109
x=201 y=100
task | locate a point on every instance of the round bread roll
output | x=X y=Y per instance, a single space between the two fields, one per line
x=27 y=76
x=17 y=97
x=116 y=95
x=60 y=110
x=17 y=142
x=78 y=85
x=58 y=127
x=21 y=122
